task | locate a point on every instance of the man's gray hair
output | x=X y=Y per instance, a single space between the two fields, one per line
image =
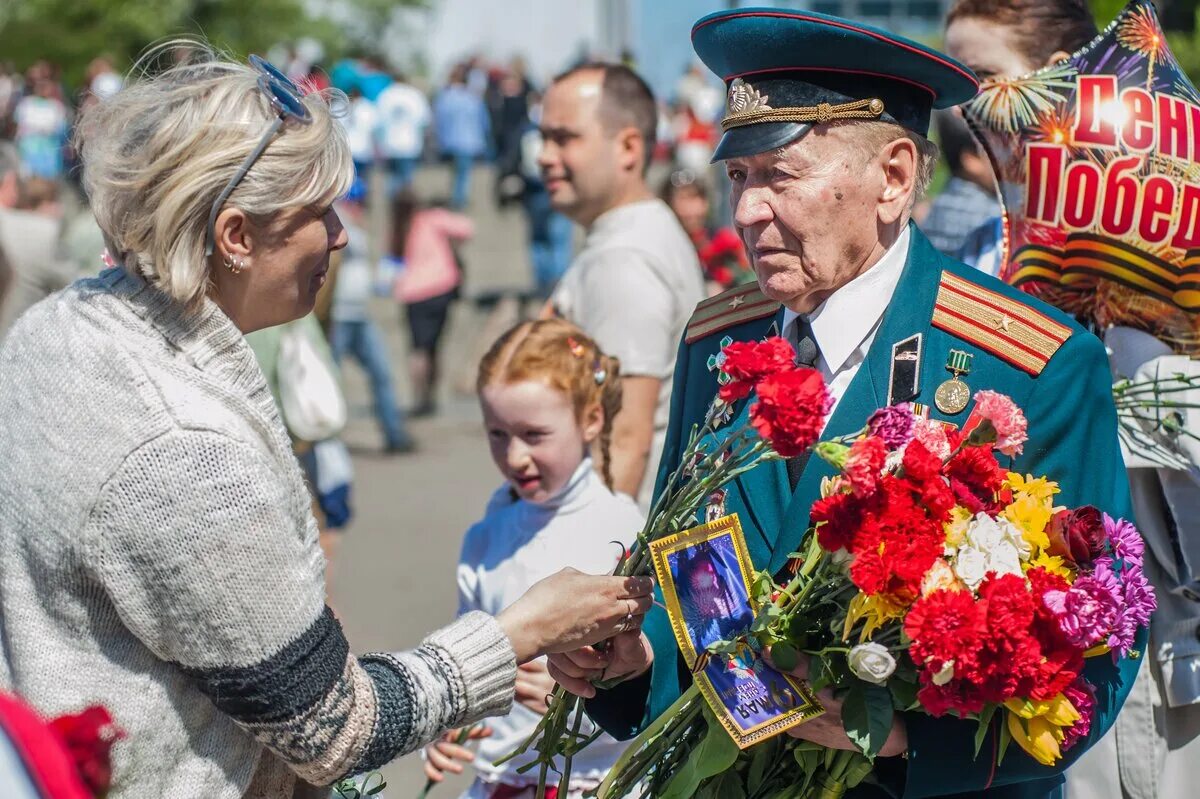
x=10 y=159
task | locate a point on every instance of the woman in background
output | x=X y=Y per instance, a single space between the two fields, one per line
x=425 y=239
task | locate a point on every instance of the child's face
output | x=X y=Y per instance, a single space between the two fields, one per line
x=536 y=440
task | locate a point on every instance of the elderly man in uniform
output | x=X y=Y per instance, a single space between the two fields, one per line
x=825 y=146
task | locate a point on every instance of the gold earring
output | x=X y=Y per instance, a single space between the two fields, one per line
x=234 y=264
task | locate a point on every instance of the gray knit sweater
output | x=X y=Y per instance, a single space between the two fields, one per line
x=158 y=555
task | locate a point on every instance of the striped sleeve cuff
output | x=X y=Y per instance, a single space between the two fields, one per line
x=485 y=661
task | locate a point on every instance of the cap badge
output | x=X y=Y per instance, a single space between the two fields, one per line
x=744 y=98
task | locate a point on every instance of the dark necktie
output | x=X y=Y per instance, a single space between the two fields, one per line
x=806 y=355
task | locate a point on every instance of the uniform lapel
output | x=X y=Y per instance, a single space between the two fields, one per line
x=908 y=313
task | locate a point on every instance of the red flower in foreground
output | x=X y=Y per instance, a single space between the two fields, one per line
x=749 y=362
x=976 y=477
x=896 y=545
x=89 y=737
x=864 y=463
x=791 y=409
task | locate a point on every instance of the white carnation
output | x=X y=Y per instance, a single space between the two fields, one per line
x=872 y=662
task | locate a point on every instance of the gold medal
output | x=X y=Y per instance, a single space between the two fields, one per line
x=953 y=396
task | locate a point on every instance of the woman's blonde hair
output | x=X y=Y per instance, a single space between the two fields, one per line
x=158 y=153
x=565 y=358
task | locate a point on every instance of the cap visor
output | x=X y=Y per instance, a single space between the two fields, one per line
x=755 y=139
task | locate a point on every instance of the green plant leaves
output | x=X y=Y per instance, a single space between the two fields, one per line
x=867 y=716
x=713 y=755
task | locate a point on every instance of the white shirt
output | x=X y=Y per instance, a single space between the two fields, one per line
x=360 y=129
x=518 y=543
x=845 y=324
x=403 y=116
x=632 y=288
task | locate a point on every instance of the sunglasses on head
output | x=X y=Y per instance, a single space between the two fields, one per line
x=287 y=100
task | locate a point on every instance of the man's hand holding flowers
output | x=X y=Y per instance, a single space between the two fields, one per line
x=829 y=730
x=627 y=656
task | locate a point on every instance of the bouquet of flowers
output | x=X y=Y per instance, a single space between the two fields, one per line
x=932 y=580
x=785 y=420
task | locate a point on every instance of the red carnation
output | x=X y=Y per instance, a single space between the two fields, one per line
x=975 y=477
x=919 y=463
x=842 y=516
x=944 y=626
x=864 y=463
x=748 y=362
x=896 y=544
x=89 y=737
x=791 y=409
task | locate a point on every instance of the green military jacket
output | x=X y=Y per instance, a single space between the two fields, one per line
x=1054 y=370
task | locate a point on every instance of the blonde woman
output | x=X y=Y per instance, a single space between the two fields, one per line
x=160 y=555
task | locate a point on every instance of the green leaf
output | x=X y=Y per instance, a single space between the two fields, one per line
x=1005 y=740
x=785 y=656
x=857 y=771
x=713 y=755
x=904 y=694
x=985 y=720
x=762 y=757
x=867 y=716
x=730 y=786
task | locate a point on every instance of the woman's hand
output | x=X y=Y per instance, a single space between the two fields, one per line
x=534 y=684
x=446 y=755
x=629 y=655
x=828 y=730
x=570 y=609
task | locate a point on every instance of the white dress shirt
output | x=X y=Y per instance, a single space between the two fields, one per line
x=845 y=324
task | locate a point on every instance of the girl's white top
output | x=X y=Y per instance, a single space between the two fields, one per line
x=518 y=543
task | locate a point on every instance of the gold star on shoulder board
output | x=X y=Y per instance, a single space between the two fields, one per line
x=737 y=301
x=1003 y=322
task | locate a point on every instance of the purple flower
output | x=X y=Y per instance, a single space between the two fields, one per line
x=1087 y=610
x=1125 y=539
x=1138 y=603
x=894 y=424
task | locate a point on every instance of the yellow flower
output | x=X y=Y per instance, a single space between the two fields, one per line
x=1039 y=727
x=1030 y=515
x=1037 y=487
x=956 y=527
x=1053 y=564
x=877 y=609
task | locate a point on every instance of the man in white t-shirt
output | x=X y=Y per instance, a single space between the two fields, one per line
x=637 y=279
x=404 y=115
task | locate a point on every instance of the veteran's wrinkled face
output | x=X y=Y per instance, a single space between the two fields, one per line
x=809 y=214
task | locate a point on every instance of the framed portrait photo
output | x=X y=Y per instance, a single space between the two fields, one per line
x=705 y=574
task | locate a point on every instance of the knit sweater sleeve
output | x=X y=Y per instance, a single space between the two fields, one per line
x=198 y=543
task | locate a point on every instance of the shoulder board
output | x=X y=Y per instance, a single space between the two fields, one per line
x=1005 y=327
x=739 y=304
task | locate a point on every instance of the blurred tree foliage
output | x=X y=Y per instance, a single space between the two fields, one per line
x=73 y=32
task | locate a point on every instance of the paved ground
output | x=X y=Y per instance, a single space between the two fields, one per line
x=393 y=578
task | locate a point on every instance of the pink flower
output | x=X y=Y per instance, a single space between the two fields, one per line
x=1126 y=541
x=864 y=463
x=932 y=436
x=1083 y=698
x=894 y=424
x=1006 y=417
x=1087 y=611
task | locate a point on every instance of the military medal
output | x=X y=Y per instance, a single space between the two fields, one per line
x=953 y=395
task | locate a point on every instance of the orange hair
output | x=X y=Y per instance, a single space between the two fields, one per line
x=565 y=358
